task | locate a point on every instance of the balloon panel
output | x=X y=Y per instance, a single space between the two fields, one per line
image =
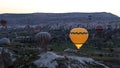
x=79 y=35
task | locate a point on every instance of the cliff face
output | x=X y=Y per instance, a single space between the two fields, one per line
x=38 y=18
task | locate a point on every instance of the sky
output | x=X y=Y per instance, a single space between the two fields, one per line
x=59 y=6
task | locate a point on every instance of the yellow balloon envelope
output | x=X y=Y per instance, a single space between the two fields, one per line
x=79 y=36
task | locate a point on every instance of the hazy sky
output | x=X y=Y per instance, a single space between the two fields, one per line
x=58 y=6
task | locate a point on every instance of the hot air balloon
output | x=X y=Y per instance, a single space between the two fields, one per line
x=3 y=23
x=36 y=29
x=4 y=41
x=99 y=28
x=43 y=39
x=99 y=31
x=79 y=36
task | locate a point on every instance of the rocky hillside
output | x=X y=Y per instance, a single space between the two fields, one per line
x=38 y=18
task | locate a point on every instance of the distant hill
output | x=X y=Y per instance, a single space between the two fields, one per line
x=38 y=18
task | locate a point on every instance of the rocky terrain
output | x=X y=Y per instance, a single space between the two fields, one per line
x=52 y=60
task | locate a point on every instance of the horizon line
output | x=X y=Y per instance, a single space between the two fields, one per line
x=52 y=12
x=58 y=13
